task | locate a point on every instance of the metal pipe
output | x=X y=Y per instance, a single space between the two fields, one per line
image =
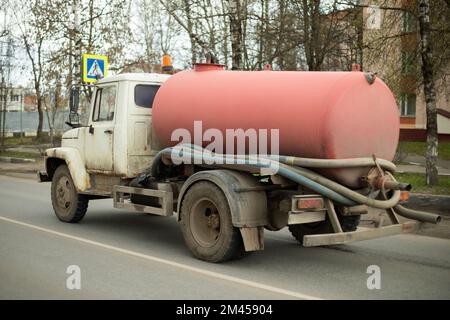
x=283 y=170
x=318 y=163
x=305 y=177
x=313 y=181
x=418 y=215
x=356 y=210
x=335 y=163
x=348 y=193
x=394 y=185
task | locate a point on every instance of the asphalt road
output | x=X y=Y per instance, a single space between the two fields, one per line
x=127 y=255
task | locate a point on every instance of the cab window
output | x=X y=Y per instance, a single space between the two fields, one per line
x=144 y=95
x=105 y=103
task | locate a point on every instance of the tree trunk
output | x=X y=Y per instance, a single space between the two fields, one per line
x=190 y=30
x=430 y=93
x=3 y=94
x=236 y=33
x=41 y=117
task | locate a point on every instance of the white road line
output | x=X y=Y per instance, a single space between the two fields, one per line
x=212 y=274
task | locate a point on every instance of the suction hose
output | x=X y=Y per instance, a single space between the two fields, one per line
x=289 y=168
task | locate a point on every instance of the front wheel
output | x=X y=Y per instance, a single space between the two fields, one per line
x=68 y=204
x=206 y=224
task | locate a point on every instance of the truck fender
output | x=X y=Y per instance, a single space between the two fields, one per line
x=248 y=207
x=73 y=160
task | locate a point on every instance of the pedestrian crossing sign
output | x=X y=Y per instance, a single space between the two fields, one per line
x=94 y=67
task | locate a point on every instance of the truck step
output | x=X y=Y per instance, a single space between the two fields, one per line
x=122 y=195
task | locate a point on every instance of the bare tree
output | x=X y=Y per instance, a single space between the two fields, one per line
x=430 y=92
x=33 y=33
x=191 y=18
x=156 y=32
x=235 y=12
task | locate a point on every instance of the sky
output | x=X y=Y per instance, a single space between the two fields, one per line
x=21 y=70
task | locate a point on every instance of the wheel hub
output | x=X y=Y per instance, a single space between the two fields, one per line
x=64 y=193
x=205 y=222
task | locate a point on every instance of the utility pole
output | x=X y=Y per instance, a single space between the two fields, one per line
x=2 y=96
x=7 y=64
x=21 y=116
x=5 y=70
x=75 y=49
x=77 y=42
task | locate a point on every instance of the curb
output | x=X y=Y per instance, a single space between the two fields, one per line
x=16 y=160
x=428 y=202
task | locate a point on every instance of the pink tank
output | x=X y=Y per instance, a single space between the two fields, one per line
x=326 y=115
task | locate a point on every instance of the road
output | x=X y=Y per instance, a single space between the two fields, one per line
x=126 y=255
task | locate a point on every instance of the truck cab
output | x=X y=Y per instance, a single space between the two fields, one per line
x=116 y=144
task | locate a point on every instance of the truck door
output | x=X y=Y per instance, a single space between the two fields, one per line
x=140 y=126
x=100 y=136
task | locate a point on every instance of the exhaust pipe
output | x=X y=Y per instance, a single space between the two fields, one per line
x=394 y=185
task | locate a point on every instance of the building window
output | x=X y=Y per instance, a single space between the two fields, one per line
x=409 y=63
x=15 y=98
x=408 y=105
x=408 y=22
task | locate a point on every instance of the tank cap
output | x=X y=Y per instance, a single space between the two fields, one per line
x=208 y=66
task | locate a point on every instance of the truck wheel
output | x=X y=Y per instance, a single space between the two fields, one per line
x=69 y=206
x=206 y=224
x=348 y=224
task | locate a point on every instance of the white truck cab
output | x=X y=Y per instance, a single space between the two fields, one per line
x=117 y=142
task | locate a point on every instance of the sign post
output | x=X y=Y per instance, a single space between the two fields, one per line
x=94 y=67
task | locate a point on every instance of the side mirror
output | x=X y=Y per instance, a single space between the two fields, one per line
x=74 y=102
x=74 y=118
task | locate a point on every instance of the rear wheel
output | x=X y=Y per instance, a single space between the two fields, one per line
x=206 y=224
x=68 y=204
x=348 y=224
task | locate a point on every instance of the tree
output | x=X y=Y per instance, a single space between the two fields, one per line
x=235 y=13
x=156 y=32
x=430 y=92
x=34 y=31
x=85 y=26
x=413 y=56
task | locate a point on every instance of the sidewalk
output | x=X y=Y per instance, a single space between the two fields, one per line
x=412 y=164
x=416 y=164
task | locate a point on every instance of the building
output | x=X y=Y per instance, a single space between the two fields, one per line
x=391 y=44
x=19 y=99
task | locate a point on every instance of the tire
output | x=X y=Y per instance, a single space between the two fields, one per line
x=206 y=224
x=348 y=224
x=69 y=206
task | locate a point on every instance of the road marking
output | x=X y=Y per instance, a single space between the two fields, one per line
x=212 y=274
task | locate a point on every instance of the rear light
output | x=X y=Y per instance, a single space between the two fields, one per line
x=310 y=203
x=404 y=196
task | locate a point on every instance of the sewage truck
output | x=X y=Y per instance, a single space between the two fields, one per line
x=332 y=137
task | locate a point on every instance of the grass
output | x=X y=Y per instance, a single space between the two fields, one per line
x=13 y=141
x=418 y=182
x=420 y=149
x=20 y=154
